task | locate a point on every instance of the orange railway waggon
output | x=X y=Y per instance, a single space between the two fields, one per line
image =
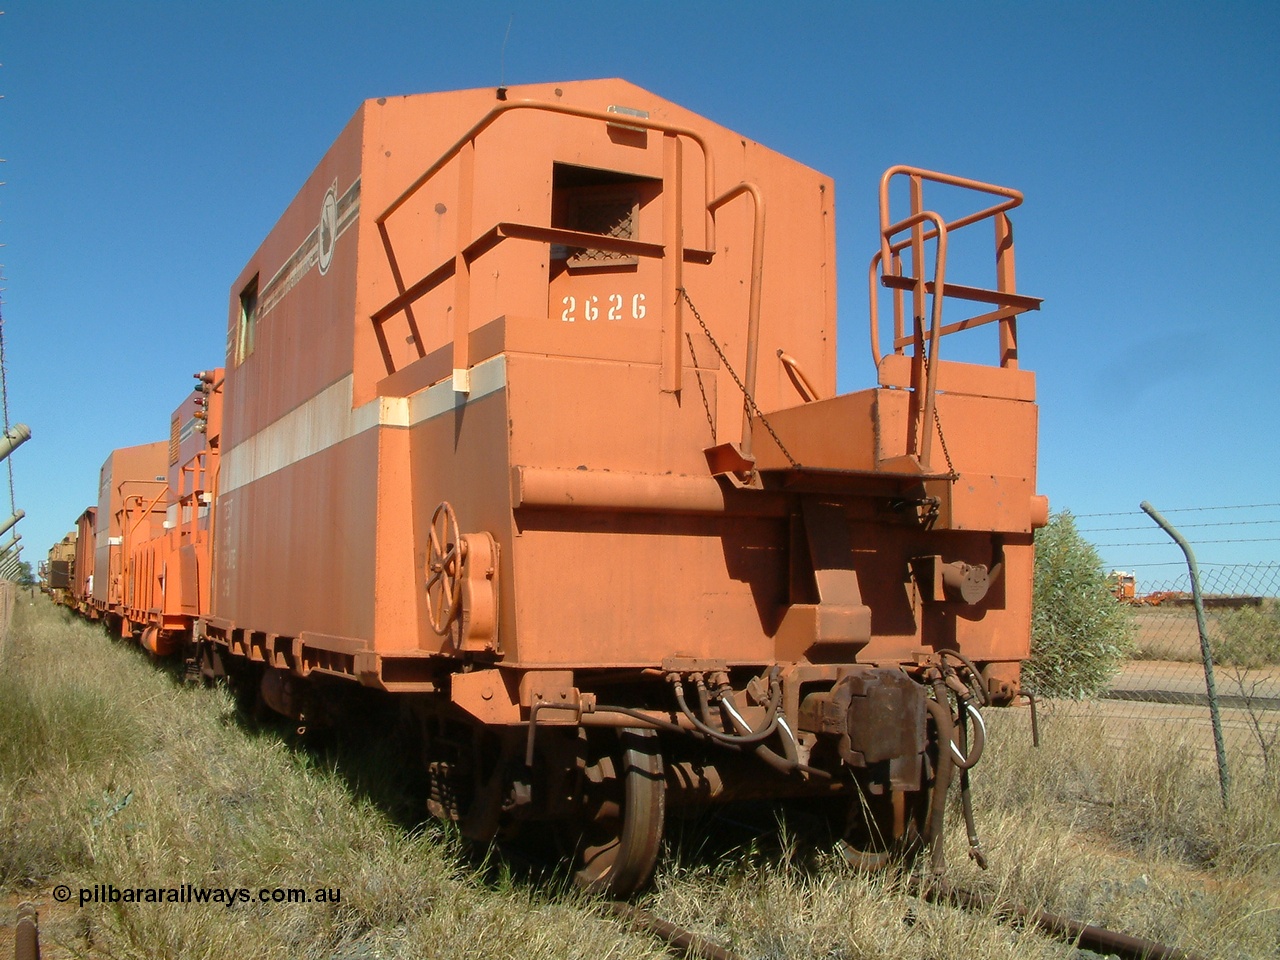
x=529 y=417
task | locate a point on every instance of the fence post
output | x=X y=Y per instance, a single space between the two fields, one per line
x=1206 y=656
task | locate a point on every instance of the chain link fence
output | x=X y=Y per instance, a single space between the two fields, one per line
x=1162 y=682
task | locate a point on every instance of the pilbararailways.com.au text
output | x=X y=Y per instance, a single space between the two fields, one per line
x=187 y=893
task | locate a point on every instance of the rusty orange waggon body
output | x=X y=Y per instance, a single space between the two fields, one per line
x=529 y=417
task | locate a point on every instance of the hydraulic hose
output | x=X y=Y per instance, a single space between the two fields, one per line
x=775 y=702
x=964 y=758
x=966 y=798
x=974 y=672
x=783 y=764
x=941 y=713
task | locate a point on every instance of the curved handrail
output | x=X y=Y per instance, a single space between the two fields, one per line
x=1013 y=198
x=671 y=380
x=753 y=301
x=711 y=203
x=886 y=265
x=798 y=379
x=508 y=106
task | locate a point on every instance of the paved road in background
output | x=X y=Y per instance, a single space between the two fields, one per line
x=1167 y=681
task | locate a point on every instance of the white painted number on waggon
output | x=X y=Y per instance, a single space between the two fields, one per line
x=614 y=307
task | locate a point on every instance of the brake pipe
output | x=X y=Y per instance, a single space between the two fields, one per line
x=965 y=760
x=966 y=797
x=941 y=714
x=757 y=736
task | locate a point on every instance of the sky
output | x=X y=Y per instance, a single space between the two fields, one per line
x=149 y=147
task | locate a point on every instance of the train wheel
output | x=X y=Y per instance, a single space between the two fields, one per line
x=618 y=831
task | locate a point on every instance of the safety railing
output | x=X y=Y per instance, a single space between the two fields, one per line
x=672 y=251
x=887 y=266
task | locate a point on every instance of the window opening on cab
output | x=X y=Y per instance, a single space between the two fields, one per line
x=248 y=320
x=604 y=202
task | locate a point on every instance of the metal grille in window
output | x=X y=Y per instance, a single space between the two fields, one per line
x=611 y=216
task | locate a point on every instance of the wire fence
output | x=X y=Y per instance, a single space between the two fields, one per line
x=1163 y=681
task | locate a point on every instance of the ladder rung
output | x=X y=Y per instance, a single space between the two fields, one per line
x=961 y=292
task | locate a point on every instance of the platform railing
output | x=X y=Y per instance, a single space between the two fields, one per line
x=887 y=267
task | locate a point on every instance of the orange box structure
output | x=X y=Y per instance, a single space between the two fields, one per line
x=150 y=532
x=58 y=570
x=530 y=416
x=169 y=572
x=82 y=566
x=131 y=503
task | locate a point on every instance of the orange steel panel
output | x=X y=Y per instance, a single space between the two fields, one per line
x=130 y=480
x=296 y=548
x=429 y=329
x=971 y=378
x=313 y=339
x=590 y=588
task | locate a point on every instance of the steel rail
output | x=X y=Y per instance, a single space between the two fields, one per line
x=1075 y=932
x=687 y=942
x=26 y=933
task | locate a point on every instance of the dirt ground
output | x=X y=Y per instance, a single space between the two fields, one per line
x=1174 y=692
x=1168 y=633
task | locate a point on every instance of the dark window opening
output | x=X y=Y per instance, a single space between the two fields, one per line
x=603 y=202
x=248 y=320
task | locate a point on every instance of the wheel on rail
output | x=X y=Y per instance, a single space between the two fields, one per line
x=616 y=833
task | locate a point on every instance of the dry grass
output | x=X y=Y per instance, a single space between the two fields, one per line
x=112 y=772
x=1137 y=842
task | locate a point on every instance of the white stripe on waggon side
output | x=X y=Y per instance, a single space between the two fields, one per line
x=328 y=419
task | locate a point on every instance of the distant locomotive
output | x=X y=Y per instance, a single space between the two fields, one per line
x=526 y=419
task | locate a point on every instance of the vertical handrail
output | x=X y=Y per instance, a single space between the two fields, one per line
x=671 y=309
x=753 y=300
x=928 y=388
x=670 y=366
x=1006 y=282
x=887 y=261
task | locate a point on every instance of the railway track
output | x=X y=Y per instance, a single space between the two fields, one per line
x=1072 y=932
x=1076 y=933
x=686 y=943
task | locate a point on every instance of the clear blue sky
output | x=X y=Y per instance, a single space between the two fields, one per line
x=151 y=145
